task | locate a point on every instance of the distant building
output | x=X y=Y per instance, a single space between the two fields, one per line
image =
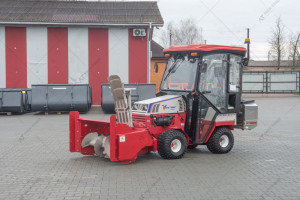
x=73 y=42
x=159 y=58
x=270 y=65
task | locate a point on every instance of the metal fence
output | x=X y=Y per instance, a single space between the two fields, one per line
x=271 y=82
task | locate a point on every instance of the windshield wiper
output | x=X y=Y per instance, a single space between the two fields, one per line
x=172 y=68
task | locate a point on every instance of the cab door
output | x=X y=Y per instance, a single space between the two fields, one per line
x=234 y=83
x=213 y=86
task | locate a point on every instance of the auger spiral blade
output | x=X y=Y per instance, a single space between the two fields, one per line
x=101 y=144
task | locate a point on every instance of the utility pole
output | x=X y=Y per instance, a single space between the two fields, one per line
x=247 y=41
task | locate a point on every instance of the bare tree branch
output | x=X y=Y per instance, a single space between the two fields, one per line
x=184 y=32
x=277 y=41
x=294 y=50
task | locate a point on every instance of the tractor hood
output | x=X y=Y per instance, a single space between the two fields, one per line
x=159 y=105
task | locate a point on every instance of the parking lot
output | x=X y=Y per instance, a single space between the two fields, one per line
x=35 y=162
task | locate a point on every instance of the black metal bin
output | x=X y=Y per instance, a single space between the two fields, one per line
x=14 y=100
x=61 y=97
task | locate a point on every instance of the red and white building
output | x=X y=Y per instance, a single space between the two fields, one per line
x=75 y=42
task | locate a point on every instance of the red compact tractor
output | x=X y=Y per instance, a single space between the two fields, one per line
x=199 y=103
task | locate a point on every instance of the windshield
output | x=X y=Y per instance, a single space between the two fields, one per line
x=180 y=74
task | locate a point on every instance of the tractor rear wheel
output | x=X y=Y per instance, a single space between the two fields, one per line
x=171 y=144
x=221 y=141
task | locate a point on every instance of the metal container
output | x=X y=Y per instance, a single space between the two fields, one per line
x=250 y=115
x=138 y=92
x=54 y=97
x=13 y=100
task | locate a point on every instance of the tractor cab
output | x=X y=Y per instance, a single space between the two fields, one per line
x=214 y=73
x=209 y=77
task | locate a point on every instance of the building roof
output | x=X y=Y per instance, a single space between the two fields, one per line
x=266 y=63
x=77 y=12
x=157 y=50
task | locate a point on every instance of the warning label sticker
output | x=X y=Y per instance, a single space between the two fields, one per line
x=122 y=138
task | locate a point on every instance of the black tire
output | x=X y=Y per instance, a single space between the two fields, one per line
x=168 y=138
x=216 y=142
x=192 y=146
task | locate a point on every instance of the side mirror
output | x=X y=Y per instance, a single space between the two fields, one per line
x=156 y=67
x=245 y=61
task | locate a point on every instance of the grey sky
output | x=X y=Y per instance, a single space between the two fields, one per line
x=225 y=21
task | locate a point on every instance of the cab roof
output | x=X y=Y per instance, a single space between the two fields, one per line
x=205 y=48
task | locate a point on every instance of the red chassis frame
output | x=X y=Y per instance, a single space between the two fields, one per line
x=140 y=139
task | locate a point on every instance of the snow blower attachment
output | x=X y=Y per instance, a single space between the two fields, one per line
x=199 y=103
x=116 y=139
x=122 y=99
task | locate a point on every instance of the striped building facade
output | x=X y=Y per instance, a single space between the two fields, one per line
x=58 y=53
x=70 y=55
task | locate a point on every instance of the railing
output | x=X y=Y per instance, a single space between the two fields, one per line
x=271 y=82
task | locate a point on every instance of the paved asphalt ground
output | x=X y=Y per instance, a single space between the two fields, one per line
x=35 y=162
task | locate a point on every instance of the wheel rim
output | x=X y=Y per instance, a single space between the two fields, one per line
x=176 y=145
x=224 y=141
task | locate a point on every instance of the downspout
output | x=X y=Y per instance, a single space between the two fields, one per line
x=149 y=52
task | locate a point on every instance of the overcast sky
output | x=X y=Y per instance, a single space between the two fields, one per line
x=225 y=21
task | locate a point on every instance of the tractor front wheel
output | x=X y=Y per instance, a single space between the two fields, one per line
x=221 y=141
x=171 y=144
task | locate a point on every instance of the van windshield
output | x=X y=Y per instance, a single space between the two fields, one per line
x=180 y=74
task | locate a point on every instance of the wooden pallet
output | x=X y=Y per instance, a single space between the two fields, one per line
x=6 y=113
x=55 y=112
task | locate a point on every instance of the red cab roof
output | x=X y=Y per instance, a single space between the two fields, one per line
x=204 y=47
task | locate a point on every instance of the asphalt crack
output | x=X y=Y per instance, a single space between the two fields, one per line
x=22 y=136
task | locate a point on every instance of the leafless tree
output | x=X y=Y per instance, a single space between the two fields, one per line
x=163 y=35
x=184 y=32
x=294 y=50
x=277 y=42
